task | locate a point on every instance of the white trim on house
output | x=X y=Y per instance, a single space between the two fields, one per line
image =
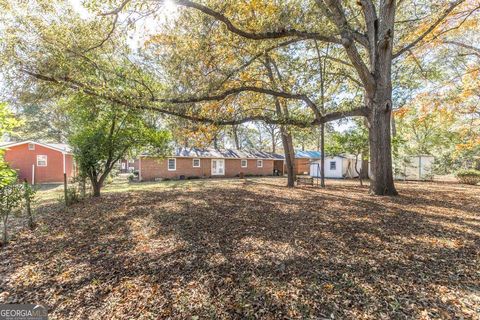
x=39 y=158
x=174 y=164
x=241 y=163
x=217 y=169
x=193 y=162
x=14 y=144
x=139 y=168
x=259 y=163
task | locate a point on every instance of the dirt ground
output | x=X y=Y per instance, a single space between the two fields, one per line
x=229 y=249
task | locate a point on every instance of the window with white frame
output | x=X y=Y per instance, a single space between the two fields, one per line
x=260 y=163
x=196 y=163
x=41 y=160
x=333 y=165
x=172 y=164
x=31 y=146
x=244 y=163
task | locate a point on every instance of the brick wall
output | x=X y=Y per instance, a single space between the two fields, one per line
x=155 y=168
x=233 y=167
x=22 y=160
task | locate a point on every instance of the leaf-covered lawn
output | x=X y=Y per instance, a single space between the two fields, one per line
x=254 y=250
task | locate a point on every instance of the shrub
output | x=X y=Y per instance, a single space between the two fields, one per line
x=470 y=176
x=10 y=199
x=73 y=196
x=29 y=192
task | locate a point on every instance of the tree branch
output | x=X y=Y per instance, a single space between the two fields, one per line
x=337 y=17
x=238 y=90
x=429 y=30
x=252 y=35
x=464 y=45
x=75 y=85
x=258 y=55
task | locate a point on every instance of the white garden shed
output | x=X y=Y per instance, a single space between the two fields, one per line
x=336 y=167
x=418 y=167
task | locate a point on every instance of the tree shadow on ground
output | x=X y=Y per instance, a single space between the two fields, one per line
x=253 y=250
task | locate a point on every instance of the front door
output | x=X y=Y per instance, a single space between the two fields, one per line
x=218 y=167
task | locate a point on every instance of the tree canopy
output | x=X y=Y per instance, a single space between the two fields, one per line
x=227 y=63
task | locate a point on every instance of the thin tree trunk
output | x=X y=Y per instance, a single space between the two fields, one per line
x=5 y=237
x=364 y=169
x=323 y=67
x=83 y=187
x=274 y=142
x=322 y=156
x=356 y=170
x=394 y=126
x=289 y=157
x=28 y=207
x=319 y=138
x=215 y=142
x=287 y=141
x=235 y=137
x=96 y=188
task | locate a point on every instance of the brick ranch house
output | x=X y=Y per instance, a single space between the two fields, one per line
x=206 y=163
x=39 y=162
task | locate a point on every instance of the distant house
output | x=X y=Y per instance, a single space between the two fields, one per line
x=204 y=163
x=129 y=165
x=39 y=162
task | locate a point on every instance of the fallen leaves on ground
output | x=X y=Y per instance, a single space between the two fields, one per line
x=254 y=250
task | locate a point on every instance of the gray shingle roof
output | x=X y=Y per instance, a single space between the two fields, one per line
x=226 y=154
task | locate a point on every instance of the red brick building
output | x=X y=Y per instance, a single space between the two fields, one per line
x=206 y=163
x=39 y=162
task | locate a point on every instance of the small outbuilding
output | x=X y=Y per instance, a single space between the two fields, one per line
x=336 y=167
x=418 y=167
x=303 y=158
x=39 y=162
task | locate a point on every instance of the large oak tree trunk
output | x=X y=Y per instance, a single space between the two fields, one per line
x=380 y=142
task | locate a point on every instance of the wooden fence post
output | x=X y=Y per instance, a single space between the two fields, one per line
x=65 y=188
